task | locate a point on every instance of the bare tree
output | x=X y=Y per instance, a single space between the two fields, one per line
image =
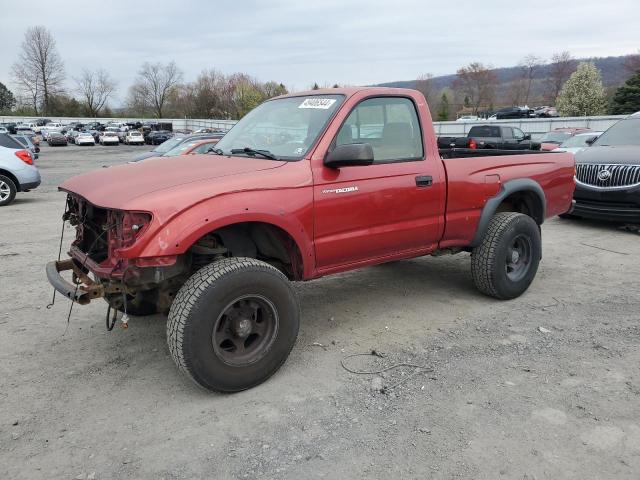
x=477 y=83
x=515 y=92
x=39 y=70
x=154 y=86
x=529 y=68
x=28 y=84
x=632 y=63
x=561 y=67
x=425 y=85
x=95 y=87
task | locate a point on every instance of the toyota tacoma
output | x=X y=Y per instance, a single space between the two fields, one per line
x=303 y=186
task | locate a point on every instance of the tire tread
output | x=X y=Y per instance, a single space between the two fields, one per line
x=190 y=294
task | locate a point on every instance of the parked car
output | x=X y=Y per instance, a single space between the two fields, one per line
x=502 y=137
x=109 y=138
x=10 y=127
x=95 y=134
x=552 y=140
x=173 y=142
x=17 y=171
x=608 y=174
x=192 y=147
x=56 y=139
x=85 y=138
x=514 y=112
x=215 y=243
x=71 y=135
x=26 y=142
x=467 y=118
x=158 y=137
x=24 y=130
x=133 y=137
x=546 y=112
x=578 y=142
x=4 y=130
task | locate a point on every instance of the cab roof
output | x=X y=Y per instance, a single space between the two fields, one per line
x=349 y=91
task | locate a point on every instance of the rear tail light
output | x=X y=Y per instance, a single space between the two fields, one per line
x=472 y=144
x=25 y=156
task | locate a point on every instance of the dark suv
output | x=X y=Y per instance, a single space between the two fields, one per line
x=608 y=174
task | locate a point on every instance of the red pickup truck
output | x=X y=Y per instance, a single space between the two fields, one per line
x=303 y=186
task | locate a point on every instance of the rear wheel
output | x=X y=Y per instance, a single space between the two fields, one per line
x=506 y=262
x=7 y=190
x=233 y=324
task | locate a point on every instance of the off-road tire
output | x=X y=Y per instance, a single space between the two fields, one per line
x=200 y=303
x=489 y=259
x=8 y=183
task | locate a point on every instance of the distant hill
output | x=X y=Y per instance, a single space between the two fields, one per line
x=612 y=69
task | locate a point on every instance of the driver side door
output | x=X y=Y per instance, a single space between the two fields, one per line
x=366 y=213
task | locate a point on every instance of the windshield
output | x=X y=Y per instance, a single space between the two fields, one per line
x=625 y=132
x=285 y=127
x=578 y=141
x=555 y=137
x=164 y=147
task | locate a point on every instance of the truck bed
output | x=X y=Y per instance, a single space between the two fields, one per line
x=553 y=172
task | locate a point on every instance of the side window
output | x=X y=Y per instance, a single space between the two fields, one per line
x=507 y=132
x=389 y=124
x=518 y=134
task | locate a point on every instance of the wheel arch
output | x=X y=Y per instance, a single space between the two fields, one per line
x=269 y=234
x=521 y=195
x=12 y=177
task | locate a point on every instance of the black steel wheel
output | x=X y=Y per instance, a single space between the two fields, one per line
x=506 y=262
x=233 y=324
x=518 y=257
x=245 y=330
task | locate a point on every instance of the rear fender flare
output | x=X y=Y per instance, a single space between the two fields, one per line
x=508 y=188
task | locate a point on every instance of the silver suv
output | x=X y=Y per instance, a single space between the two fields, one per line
x=17 y=171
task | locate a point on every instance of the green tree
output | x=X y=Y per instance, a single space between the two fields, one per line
x=443 y=108
x=315 y=86
x=583 y=93
x=7 y=100
x=246 y=98
x=627 y=97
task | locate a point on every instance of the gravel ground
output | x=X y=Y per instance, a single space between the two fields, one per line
x=542 y=387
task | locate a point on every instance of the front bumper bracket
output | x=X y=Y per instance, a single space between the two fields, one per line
x=82 y=291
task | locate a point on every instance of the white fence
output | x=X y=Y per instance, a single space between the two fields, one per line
x=178 y=123
x=535 y=126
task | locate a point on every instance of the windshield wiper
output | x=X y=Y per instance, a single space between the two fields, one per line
x=217 y=151
x=252 y=151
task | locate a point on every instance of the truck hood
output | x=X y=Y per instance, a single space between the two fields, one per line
x=624 y=154
x=115 y=187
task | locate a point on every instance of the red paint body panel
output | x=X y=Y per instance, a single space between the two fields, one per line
x=386 y=217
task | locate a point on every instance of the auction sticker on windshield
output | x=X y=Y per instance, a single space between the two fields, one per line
x=322 y=103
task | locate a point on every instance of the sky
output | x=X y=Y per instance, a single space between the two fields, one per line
x=324 y=41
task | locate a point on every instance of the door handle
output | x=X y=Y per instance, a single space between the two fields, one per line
x=424 y=180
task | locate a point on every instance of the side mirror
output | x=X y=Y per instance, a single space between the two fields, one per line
x=590 y=140
x=527 y=136
x=349 y=155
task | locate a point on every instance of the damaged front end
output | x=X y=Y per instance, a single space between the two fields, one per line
x=102 y=264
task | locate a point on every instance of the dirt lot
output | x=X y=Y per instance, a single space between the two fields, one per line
x=542 y=387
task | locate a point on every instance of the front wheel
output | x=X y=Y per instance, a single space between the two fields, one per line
x=505 y=263
x=233 y=324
